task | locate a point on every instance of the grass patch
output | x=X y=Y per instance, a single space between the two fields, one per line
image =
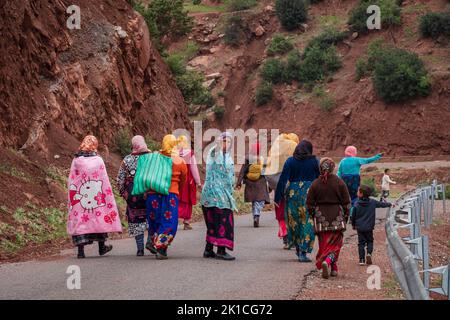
x=324 y=99
x=15 y=172
x=34 y=226
x=57 y=175
x=392 y=288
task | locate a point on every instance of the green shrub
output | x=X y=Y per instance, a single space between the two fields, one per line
x=279 y=45
x=204 y=98
x=390 y=14
x=362 y=69
x=176 y=64
x=273 y=71
x=370 y=182
x=264 y=93
x=326 y=101
x=165 y=17
x=122 y=142
x=152 y=144
x=435 y=24
x=329 y=37
x=318 y=63
x=235 y=31
x=293 y=65
x=219 y=112
x=190 y=85
x=238 y=5
x=291 y=13
x=400 y=75
x=196 y=2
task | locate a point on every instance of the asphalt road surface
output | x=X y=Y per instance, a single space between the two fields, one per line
x=262 y=269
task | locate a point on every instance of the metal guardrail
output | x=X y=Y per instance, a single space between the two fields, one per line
x=414 y=210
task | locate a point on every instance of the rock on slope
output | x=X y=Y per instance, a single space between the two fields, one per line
x=102 y=77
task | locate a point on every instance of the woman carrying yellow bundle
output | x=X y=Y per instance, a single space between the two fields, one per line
x=282 y=148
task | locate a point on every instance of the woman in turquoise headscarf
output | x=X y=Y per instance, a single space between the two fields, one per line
x=217 y=200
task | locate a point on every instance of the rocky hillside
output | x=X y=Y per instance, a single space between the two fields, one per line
x=98 y=79
x=354 y=113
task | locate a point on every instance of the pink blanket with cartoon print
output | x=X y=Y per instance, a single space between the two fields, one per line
x=92 y=207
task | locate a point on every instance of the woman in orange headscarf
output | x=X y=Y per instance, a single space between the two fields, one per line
x=162 y=210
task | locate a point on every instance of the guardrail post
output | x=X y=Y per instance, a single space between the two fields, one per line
x=425 y=262
x=443 y=197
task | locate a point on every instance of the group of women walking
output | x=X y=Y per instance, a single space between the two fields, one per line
x=310 y=199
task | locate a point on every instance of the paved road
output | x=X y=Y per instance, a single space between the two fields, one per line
x=263 y=270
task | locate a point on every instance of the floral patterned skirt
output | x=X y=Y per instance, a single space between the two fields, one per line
x=162 y=218
x=300 y=230
x=219 y=226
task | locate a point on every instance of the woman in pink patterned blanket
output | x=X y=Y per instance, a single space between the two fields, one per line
x=92 y=208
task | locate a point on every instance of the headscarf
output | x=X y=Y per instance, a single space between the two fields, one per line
x=303 y=150
x=169 y=144
x=326 y=167
x=351 y=151
x=89 y=144
x=139 y=145
x=255 y=149
x=228 y=136
x=183 y=142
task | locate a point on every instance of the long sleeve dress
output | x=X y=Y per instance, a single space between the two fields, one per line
x=300 y=174
x=349 y=170
x=217 y=199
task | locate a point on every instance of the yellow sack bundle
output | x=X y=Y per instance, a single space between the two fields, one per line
x=282 y=148
x=254 y=172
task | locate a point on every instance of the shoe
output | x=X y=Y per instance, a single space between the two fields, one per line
x=256 y=222
x=333 y=273
x=225 y=256
x=286 y=246
x=325 y=273
x=150 y=248
x=140 y=253
x=369 y=259
x=209 y=254
x=303 y=257
x=81 y=252
x=187 y=226
x=104 y=249
x=362 y=262
x=161 y=254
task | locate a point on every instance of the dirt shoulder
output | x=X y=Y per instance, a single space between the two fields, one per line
x=351 y=283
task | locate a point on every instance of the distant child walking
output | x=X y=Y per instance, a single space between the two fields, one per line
x=363 y=220
x=385 y=186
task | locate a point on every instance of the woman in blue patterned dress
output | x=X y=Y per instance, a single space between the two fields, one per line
x=300 y=171
x=217 y=200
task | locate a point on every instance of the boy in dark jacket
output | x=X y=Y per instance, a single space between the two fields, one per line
x=363 y=220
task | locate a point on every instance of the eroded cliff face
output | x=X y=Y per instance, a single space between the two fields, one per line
x=97 y=79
